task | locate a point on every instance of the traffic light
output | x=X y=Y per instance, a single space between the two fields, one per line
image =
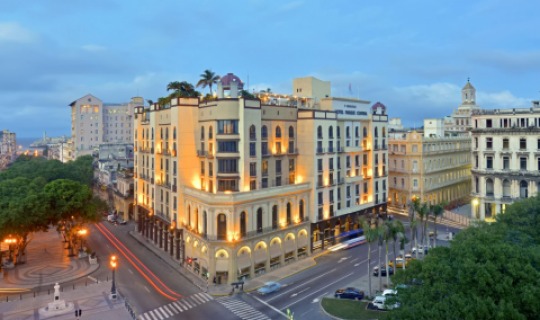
x=190 y=260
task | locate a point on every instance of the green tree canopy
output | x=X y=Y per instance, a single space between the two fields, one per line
x=491 y=271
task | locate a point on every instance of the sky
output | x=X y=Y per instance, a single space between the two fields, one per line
x=413 y=56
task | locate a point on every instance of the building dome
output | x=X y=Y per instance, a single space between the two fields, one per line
x=229 y=78
x=378 y=105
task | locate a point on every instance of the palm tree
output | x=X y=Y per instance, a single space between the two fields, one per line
x=371 y=235
x=396 y=231
x=437 y=211
x=208 y=78
x=174 y=86
x=415 y=206
x=150 y=102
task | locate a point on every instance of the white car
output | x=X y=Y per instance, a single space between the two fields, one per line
x=389 y=293
x=380 y=303
x=421 y=249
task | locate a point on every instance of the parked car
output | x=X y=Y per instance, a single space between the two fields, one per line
x=269 y=287
x=349 y=293
x=399 y=262
x=421 y=249
x=380 y=302
x=383 y=271
x=389 y=293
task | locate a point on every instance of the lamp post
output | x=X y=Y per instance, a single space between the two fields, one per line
x=81 y=233
x=113 y=267
x=10 y=241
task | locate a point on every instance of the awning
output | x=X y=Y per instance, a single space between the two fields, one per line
x=302 y=241
x=289 y=246
x=222 y=265
x=275 y=251
x=243 y=261
x=260 y=256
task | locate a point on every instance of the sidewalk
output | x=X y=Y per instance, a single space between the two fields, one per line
x=46 y=264
x=225 y=289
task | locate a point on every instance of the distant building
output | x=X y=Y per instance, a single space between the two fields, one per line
x=94 y=123
x=8 y=148
x=112 y=158
x=460 y=120
x=394 y=124
x=431 y=165
x=123 y=194
x=244 y=186
x=506 y=158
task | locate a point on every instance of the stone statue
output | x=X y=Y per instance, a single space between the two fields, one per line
x=56 y=292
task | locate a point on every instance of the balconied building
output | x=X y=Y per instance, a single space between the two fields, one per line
x=430 y=165
x=242 y=186
x=506 y=158
x=94 y=123
x=122 y=194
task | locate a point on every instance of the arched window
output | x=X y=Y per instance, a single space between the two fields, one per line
x=210 y=133
x=357 y=132
x=202 y=132
x=264 y=133
x=252 y=133
x=338 y=129
x=278 y=132
x=222 y=226
x=489 y=187
x=174 y=132
x=347 y=132
x=166 y=133
x=189 y=216
x=291 y=132
x=243 y=224
x=319 y=132
x=289 y=215
x=205 y=223
x=506 y=188
x=274 y=217
x=331 y=132
x=523 y=189
x=364 y=132
x=259 y=220
x=376 y=132
x=301 y=210
x=196 y=224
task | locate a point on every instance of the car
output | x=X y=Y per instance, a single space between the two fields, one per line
x=385 y=303
x=269 y=287
x=421 y=249
x=349 y=293
x=112 y=218
x=383 y=271
x=120 y=221
x=399 y=262
x=389 y=293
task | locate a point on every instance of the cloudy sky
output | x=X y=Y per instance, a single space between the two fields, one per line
x=413 y=56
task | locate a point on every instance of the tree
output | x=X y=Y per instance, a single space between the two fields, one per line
x=371 y=235
x=437 y=212
x=489 y=272
x=246 y=94
x=396 y=231
x=208 y=78
x=182 y=89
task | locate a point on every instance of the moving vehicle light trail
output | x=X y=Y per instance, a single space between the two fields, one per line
x=166 y=292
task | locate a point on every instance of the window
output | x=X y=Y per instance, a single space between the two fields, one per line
x=291 y=165
x=278 y=132
x=331 y=164
x=210 y=133
x=522 y=143
x=227 y=185
x=319 y=165
x=364 y=132
x=264 y=166
x=489 y=162
x=202 y=133
x=264 y=133
x=319 y=132
x=278 y=166
x=489 y=123
x=506 y=143
x=415 y=148
x=476 y=143
x=320 y=198
x=274 y=217
x=506 y=163
x=227 y=166
x=210 y=169
x=331 y=132
x=489 y=143
x=291 y=132
x=227 y=146
x=253 y=169
x=252 y=133
x=252 y=149
x=415 y=183
x=260 y=219
x=264 y=148
x=202 y=168
x=523 y=163
x=228 y=127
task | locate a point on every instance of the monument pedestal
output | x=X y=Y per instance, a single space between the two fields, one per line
x=58 y=306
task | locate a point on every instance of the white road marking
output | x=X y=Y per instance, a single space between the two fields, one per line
x=297 y=293
x=303 y=283
x=146 y=288
x=271 y=307
x=168 y=310
x=332 y=283
x=130 y=271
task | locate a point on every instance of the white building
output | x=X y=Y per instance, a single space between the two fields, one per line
x=506 y=158
x=94 y=123
x=460 y=120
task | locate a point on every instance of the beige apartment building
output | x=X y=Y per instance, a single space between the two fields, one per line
x=236 y=187
x=94 y=123
x=431 y=165
x=506 y=158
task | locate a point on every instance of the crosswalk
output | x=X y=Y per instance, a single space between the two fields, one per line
x=242 y=309
x=176 y=307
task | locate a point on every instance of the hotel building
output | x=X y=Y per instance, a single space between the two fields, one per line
x=431 y=165
x=94 y=123
x=506 y=158
x=235 y=187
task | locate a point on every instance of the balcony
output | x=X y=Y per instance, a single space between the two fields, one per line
x=320 y=150
x=292 y=151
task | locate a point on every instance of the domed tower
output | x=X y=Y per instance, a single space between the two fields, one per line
x=468 y=94
x=229 y=85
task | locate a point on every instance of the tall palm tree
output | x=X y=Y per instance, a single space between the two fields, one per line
x=371 y=235
x=396 y=231
x=150 y=102
x=437 y=211
x=208 y=78
x=414 y=208
x=174 y=86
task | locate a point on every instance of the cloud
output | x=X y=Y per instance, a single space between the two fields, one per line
x=501 y=100
x=521 y=62
x=93 y=48
x=13 y=32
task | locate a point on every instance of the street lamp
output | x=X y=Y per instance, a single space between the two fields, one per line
x=475 y=208
x=10 y=242
x=81 y=233
x=113 y=267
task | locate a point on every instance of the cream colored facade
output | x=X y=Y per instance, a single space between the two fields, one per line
x=433 y=168
x=94 y=123
x=506 y=158
x=460 y=120
x=237 y=186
